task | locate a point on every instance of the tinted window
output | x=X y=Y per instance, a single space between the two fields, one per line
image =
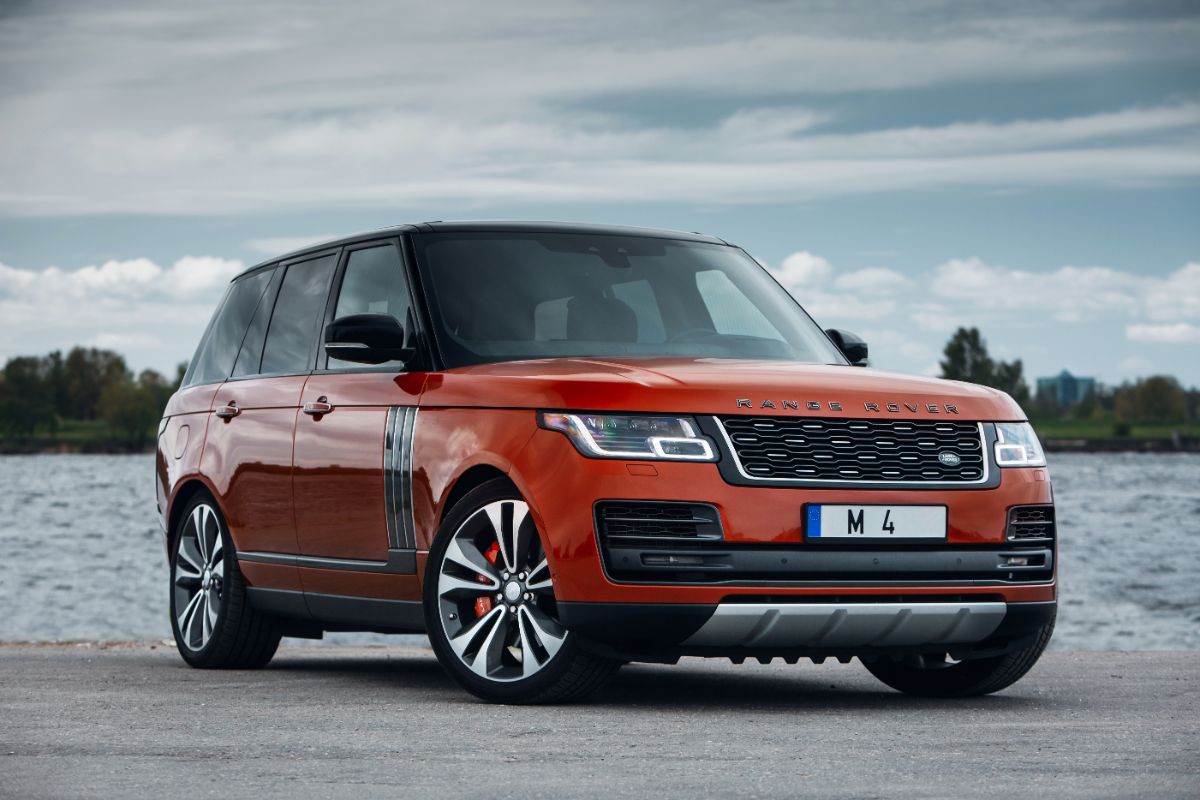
x=215 y=356
x=501 y=296
x=256 y=334
x=374 y=283
x=298 y=312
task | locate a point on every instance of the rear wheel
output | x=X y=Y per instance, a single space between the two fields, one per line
x=214 y=624
x=490 y=607
x=939 y=676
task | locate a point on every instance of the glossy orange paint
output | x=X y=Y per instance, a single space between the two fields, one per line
x=712 y=386
x=561 y=487
x=248 y=460
x=485 y=416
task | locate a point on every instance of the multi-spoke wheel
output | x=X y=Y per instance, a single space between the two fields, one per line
x=490 y=606
x=213 y=623
x=199 y=577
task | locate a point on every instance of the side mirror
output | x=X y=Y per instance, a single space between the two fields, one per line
x=852 y=347
x=367 y=339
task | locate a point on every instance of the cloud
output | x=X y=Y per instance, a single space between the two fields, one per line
x=489 y=105
x=1066 y=294
x=872 y=280
x=803 y=269
x=152 y=314
x=1073 y=316
x=1177 y=297
x=1165 y=333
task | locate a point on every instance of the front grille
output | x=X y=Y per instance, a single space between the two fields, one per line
x=857 y=450
x=1031 y=523
x=639 y=521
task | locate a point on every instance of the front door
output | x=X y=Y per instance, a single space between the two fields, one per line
x=351 y=463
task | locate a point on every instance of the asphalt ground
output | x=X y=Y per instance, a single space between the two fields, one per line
x=132 y=720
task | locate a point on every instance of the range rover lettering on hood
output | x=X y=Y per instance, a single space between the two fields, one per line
x=834 y=405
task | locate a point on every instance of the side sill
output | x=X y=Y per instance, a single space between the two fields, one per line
x=342 y=611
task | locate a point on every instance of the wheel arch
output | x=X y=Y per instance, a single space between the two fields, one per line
x=184 y=492
x=471 y=478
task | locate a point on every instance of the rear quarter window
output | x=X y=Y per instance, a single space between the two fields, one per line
x=218 y=350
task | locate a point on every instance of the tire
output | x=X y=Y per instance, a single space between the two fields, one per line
x=927 y=677
x=215 y=626
x=490 y=609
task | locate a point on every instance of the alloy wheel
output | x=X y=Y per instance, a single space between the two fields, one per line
x=495 y=597
x=200 y=577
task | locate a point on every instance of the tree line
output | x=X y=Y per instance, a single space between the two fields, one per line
x=1155 y=399
x=38 y=394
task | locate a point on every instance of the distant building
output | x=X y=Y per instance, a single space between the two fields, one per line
x=1065 y=389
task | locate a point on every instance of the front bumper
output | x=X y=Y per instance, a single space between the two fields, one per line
x=762 y=527
x=838 y=627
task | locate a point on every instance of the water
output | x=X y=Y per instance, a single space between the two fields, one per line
x=83 y=558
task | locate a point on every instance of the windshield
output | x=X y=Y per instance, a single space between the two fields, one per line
x=515 y=296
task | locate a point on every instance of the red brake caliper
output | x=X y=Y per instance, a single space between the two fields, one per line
x=484 y=604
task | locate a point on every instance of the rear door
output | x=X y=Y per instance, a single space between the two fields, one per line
x=249 y=445
x=352 y=468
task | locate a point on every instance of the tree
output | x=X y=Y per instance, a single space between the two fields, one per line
x=88 y=372
x=130 y=409
x=1160 y=398
x=27 y=402
x=967 y=359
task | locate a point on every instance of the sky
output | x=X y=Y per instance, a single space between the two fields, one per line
x=1029 y=168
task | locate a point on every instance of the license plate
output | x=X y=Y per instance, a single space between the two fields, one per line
x=875 y=522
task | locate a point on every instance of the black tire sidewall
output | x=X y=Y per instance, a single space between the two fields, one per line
x=523 y=690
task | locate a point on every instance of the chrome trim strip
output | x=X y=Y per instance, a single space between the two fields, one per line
x=389 y=477
x=784 y=625
x=404 y=502
x=737 y=462
x=399 y=562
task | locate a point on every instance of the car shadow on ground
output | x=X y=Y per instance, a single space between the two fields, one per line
x=665 y=687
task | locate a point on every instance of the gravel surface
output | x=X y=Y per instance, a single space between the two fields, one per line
x=132 y=721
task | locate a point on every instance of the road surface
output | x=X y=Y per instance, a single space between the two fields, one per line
x=354 y=722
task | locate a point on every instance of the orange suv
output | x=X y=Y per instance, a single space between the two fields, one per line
x=558 y=448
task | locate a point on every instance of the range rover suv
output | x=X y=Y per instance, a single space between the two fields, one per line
x=557 y=448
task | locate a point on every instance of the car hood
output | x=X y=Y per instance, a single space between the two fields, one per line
x=714 y=386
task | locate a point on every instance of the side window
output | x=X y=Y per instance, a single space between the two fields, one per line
x=731 y=311
x=214 y=359
x=374 y=283
x=298 y=312
x=252 y=346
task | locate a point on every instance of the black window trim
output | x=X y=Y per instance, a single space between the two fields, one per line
x=272 y=286
x=406 y=266
x=316 y=334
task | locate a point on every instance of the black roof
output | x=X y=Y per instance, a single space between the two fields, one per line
x=439 y=226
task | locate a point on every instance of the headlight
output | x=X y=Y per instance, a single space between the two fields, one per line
x=1018 y=446
x=632 y=436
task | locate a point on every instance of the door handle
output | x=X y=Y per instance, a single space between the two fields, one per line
x=228 y=411
x=319 y=407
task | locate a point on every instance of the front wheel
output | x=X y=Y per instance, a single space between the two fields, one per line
x=937 y=676
x=490 y=608
x=214 y=624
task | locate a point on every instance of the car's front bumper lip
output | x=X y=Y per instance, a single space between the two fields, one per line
x=837 y=626
x=814 y=565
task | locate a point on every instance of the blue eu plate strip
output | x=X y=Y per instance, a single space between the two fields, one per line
x=814 y=521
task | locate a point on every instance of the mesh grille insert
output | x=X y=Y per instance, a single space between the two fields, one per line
x=654 y=521
x=857 y=450
x=1030 y=523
